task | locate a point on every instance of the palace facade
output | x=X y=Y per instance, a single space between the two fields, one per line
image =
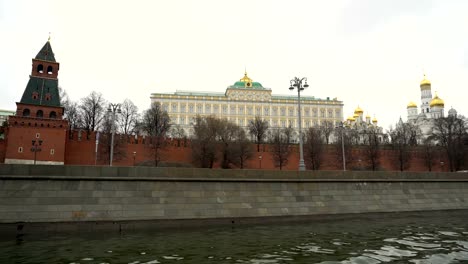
x=246 y=99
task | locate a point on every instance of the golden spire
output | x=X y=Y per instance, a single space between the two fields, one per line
x=425 y=81
x=49 y=38
x=246 y=80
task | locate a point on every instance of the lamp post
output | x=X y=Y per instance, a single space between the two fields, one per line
x=36 y=147
x=297 y=83
x=342 y=146
x=260 y=161
x=113 y=109
x=134 y=155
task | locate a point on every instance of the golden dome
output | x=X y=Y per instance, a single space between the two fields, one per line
x=367 y=116
x=355 y=115
x=374 y=120
x=412 y=105
x=246 y=80
x=425 y=81
x=350 y=118
x=358 y=110
x=436 y=101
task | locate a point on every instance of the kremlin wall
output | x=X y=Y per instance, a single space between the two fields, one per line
x=178 y=153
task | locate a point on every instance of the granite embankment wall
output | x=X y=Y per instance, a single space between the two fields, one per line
x=31 y=193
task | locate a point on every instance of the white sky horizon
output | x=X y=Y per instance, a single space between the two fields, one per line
x=366 y=53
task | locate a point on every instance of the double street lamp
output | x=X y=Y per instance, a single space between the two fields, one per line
x=113 y=109
x=36 y=147
x=296 y=83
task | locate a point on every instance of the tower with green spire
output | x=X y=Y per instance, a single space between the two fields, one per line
x=37 y=132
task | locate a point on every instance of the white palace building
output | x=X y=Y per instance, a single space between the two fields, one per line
x=244 y=100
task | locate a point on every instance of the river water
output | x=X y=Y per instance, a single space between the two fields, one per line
x=429 y=237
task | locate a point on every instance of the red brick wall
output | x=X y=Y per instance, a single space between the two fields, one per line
x=82 y=152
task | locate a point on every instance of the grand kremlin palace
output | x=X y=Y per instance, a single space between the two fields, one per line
x=246 y=99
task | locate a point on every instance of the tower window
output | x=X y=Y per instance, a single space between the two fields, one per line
x=39 y=113
x=53 y=115
x=26 y=112
x=40 y=68
x=52 y=151
x=49 y=69
x=20 y=150
x=35 y=95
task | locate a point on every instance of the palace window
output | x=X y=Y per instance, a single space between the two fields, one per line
x=322 y=113
x=233 y=109
x=283 y=123
x=207 y=109
x=182 y=120
x=266 y=111
x=241 y=122
x=174 y=107
x=291 y=112
x=215 y=109
x=258 y=111
x=165 y=107
x=225 y=109
x=314 y=112
x=250 y=110
x=191 y=108
x=199 y=108
x=182 y=108
x=337 y=113
x=241 y=110
x=307 y=112
x=283 y=112
x=275 y=111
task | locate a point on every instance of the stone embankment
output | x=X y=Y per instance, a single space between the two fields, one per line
x=70 y=194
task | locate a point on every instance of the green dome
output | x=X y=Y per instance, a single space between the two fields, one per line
x=246 y=82
x=240 y=84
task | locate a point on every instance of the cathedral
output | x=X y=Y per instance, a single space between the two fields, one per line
x=431 y=108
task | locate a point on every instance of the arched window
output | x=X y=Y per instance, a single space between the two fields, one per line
x=39 y=114
x=49 y=69
x=26 y=112
x=40 y=68
x=53 y=115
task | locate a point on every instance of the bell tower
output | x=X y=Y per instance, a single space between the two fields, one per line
x=37 y=132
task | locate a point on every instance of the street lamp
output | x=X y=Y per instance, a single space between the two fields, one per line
x=36 y=147
x=342 y=146
x=113 y=109
x=260 y=161
x=134 y=155
x=297 y=83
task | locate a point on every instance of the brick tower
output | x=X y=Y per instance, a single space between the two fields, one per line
x=37 y=132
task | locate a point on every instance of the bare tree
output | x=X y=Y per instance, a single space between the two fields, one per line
x=204 y=141
x=73 y=115
x=281 y=147
x=345 y=138
x=313 y=145
x=156 y=124
x=429 y=153
x=92 y=110
x=403 y=137
x=178 y=133
x=242 y=149
x=450 y=133
x=327 y=129
x=105 y=142
x=128 y=118
x=258 y=129
x=371 y=146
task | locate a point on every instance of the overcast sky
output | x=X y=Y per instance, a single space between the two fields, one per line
x=369 y=53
